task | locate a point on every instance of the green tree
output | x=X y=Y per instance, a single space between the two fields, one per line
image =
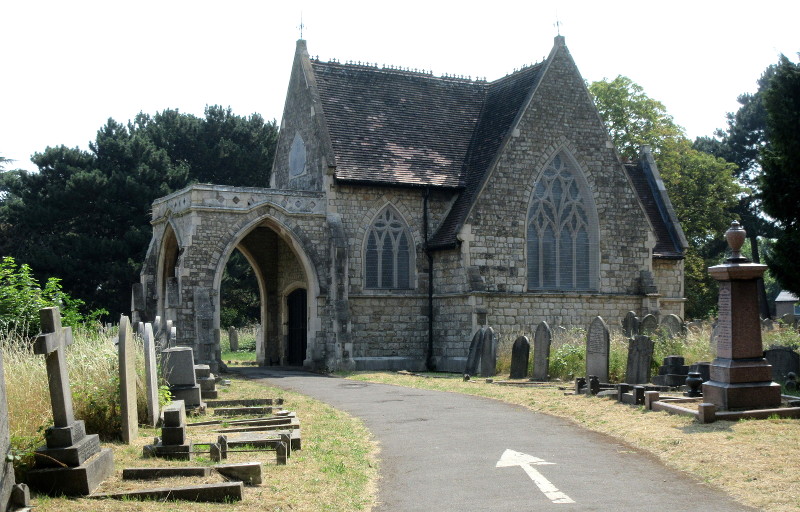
x=84 y=216
x=702 y=187
x=780 y=162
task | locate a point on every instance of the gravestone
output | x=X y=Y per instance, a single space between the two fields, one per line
x=173 y=443
x=233 y=338
x=672 y=326
x=541 y=351
x=648 y=325
x=597 y=349
x=488 y=354
x=520 y=354
x=767 y=324
x=7 y=484
x=784 y=361
x=71 y=462
x=640 y=354
x=672 y=373
x=167 y=337
x=177 y=363
x=740 y=376
x=127 y=381
x=172 y=339
x=150 y=374
x=474 y=356
x=204 y=328
x=630 y=324
x=787 y=320
x=137 y=303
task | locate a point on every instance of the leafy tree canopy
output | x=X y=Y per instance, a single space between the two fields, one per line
x=780 y=161
x=84 y=216
x=701 y=187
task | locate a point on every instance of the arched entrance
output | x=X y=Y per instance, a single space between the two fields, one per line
x=297 y=325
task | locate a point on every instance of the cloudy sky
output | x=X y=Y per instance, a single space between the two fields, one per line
x=69 y=66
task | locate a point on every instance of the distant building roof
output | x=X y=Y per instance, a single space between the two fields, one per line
x=785 y=296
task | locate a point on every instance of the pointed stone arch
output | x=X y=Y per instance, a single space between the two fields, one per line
x=388 y=251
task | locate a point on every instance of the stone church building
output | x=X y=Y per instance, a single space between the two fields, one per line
x=406 y=210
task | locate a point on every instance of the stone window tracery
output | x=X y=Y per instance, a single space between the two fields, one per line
x=387 y=258
x=562 y=230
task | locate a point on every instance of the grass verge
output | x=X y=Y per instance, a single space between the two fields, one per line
x=754 y=461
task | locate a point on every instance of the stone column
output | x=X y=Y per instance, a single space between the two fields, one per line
x=740 y=376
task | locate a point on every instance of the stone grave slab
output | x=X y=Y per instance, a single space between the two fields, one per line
x=520 y=352
x=225 y=492
x=488 y=354
x=126 y=348
x=250 y=473
x=630 y=324
x=649 y=325
x=597 y=349
x=640 y=355
x=245 y=402
x=784 y=361
x=237 y=411
x=155 y=473
x=542 y=339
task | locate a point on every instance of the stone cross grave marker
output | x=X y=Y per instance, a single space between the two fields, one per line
x=541 y=351
x=597 y=349
x=233 y=338
x=672 y=326
x=474 y=355
x=488 y=354
x=151 y=374
x=649 y=325
x=640 y=355
x=127 y=381
x=81 y=463
x=630 y=324
x=520 y=354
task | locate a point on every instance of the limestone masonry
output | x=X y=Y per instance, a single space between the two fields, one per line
x=407 y=210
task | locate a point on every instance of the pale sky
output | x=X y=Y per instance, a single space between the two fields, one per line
x=70 y=65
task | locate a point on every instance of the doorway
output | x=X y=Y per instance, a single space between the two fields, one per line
x=296 y=342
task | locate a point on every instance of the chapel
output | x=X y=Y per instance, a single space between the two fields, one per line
x=406 y=210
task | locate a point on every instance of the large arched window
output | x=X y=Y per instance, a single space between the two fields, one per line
x=388 y=255
x=562 y=230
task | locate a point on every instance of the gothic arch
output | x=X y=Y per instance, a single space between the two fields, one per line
x=562 y=229
x=388 y=251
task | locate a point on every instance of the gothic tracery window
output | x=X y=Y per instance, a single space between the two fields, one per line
x=561 y=229
x=387 y=259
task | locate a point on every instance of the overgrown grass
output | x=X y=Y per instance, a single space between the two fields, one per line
x=247 y=344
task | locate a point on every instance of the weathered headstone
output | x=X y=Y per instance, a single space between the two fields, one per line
x=767 y=324
x=541 y=351
x=520 y=354
x=640 y=354
x=784 y=361
x=233 y=338
x=740 y=376
x=672 y=326
x=488 y=354
x=672 y=373
x=648 y=325
x=173 y=443
x=630 y=324
x=177 y=363
x=474 y=356
x=7 y=484
x=597 y=349
x=787 y=320
x=137 y=303
x=150 y=374
x=71 y=462
x=127 y=381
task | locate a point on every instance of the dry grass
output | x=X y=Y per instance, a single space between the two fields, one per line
x=755 y=461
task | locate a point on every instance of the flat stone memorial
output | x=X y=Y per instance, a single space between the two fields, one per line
x=127 y=381
x=640 y=355
x=597 y=349
x=649 y=325
x=520 y=354
x=488 y=354
x=71 y=462
x=740 y=376
x=542 y=339
x=630 y=324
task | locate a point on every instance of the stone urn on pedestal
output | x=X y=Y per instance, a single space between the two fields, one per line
x=740 y=376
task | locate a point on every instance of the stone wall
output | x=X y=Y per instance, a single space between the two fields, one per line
x=668 y=277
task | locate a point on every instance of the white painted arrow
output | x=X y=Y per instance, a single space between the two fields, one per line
x=526 y=462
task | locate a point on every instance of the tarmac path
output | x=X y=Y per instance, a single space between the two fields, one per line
x=441 y=451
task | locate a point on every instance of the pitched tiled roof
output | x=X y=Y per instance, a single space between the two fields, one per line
x=397 y=127
x=667 y=242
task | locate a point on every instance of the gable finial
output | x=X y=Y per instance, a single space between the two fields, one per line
x=301 y=26
x=558 y=24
